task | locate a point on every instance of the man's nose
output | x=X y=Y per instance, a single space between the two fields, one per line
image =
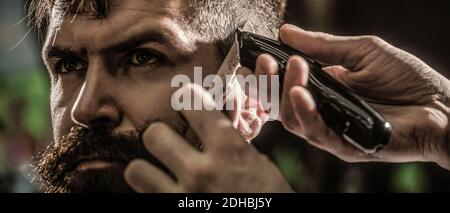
x=95 y=102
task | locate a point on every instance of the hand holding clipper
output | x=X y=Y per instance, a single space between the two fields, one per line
x=344 y=112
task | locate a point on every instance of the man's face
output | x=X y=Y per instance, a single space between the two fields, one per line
x=113 y=75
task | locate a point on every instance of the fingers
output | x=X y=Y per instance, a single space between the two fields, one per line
x=266 y=65
x=297 y=72
x=343 y=76
x=315 y=131
x=305 y=112
x=330 y=49
x=266 y=69
x=144 y=177
x=169 y=147
x=211 y=126
x=298 y=110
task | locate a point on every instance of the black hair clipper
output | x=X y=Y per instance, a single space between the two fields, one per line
x=344 y=112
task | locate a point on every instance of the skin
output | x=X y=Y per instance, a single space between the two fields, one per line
x=122 y=104
x=107 y=86
x=408 y=93
x=95 y=80
x=227 y=164
x=404 y=90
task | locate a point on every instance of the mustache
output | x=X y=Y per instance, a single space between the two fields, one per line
x=56 y=166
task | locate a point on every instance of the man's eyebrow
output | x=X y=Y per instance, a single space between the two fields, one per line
x=129 y=43
x=142 y=38
x=59 y=52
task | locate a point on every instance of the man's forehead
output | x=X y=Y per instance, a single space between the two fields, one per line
x=139 y=5
x=125 y=18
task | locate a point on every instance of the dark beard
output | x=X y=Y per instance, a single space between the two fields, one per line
x=56 y=166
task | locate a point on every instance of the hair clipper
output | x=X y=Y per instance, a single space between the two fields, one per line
x=344 y=112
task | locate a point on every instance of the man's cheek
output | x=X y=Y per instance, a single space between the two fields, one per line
x=60 y=114
x=57 y=122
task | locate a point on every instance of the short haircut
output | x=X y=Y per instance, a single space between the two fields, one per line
x=217 y=19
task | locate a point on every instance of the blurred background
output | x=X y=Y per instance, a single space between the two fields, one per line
x=418 y=26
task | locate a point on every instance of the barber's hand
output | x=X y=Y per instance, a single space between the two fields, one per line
x=404 y=90
x=228 y=163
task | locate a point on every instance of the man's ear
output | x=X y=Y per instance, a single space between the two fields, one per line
x=248 y=115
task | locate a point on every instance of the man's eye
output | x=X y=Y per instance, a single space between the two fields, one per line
x=68 y=65
x=143 y=57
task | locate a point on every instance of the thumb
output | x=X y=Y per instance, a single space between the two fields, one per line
x=343 y=76
x=329 y=49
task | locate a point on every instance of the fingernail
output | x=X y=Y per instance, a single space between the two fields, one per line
x=296 y=63
x=268 y=64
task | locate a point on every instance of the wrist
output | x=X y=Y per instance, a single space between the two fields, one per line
x=442 y=156
x=443 y=89
x=445 y=160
